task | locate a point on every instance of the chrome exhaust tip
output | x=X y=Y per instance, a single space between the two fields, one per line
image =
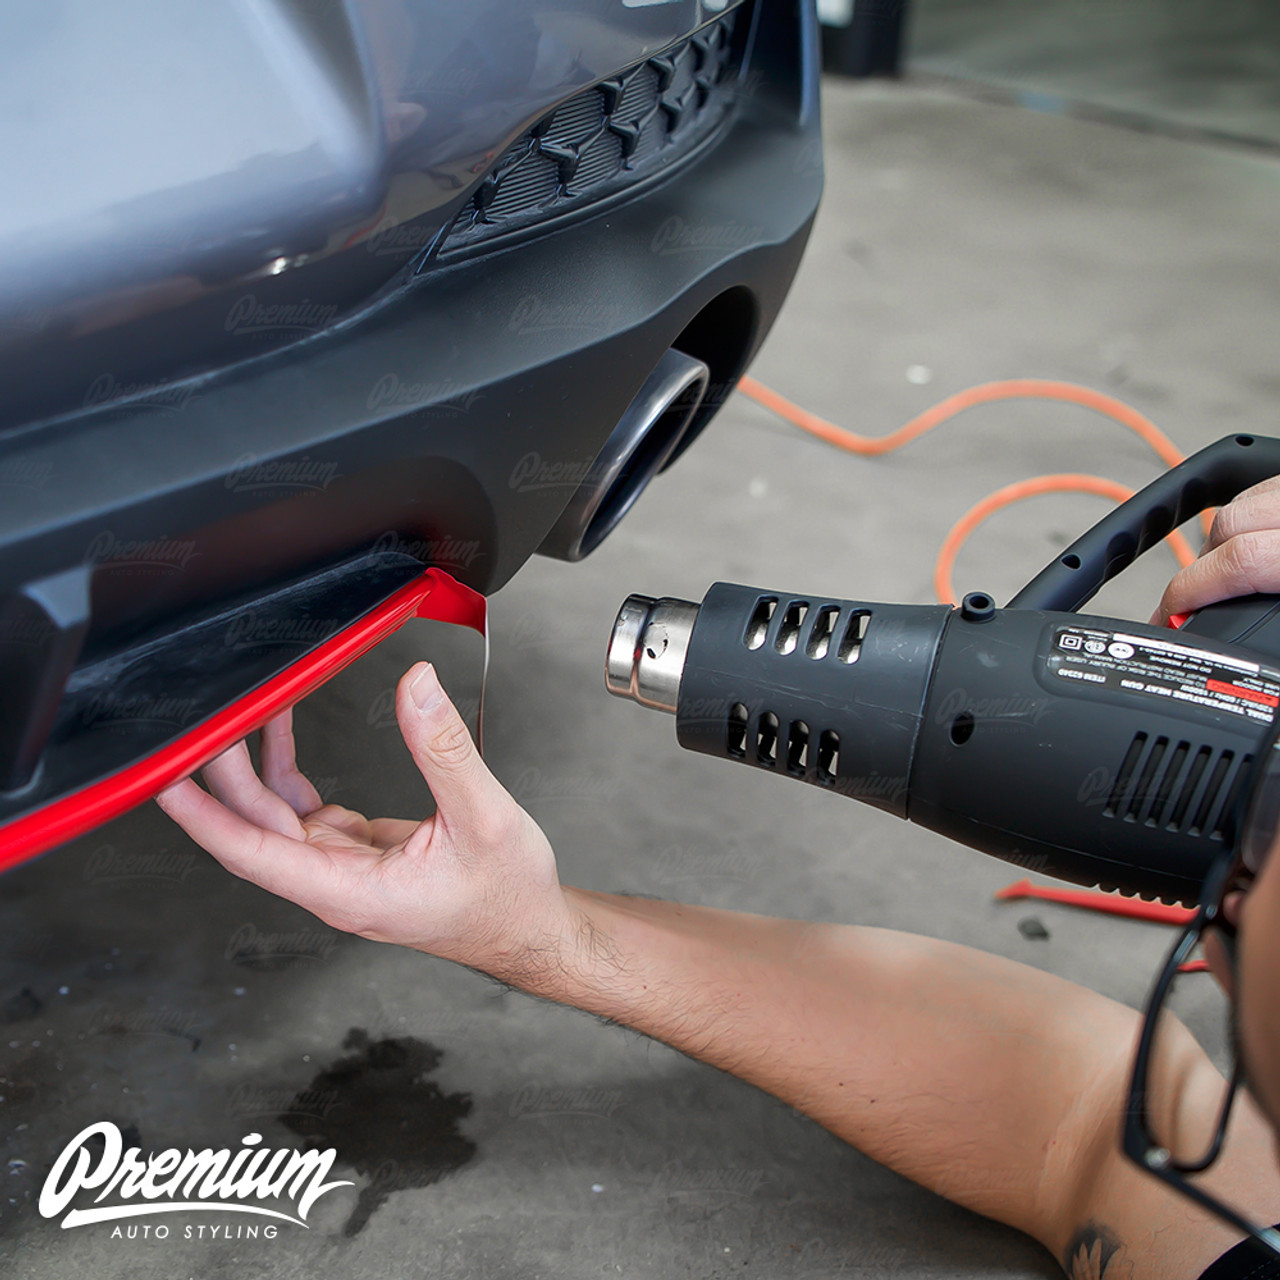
x=647 y=650
x=647 y=434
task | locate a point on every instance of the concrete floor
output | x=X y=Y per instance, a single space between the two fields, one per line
x=1199 y=65
x=959 y=241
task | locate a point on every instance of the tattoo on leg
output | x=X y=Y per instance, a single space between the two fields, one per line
x=1096 y=1254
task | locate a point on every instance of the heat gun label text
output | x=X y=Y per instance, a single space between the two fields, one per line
x=1166 y=669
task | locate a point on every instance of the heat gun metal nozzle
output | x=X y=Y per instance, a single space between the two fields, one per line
x=647 y=650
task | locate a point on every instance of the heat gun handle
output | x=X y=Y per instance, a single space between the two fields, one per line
x=1209 y=478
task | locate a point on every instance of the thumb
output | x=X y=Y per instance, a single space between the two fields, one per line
x=441 y=745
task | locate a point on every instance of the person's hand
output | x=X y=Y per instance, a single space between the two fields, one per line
x=474 y=883
x=1241 y=556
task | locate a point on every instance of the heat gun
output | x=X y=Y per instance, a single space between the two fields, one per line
x=1092 y=749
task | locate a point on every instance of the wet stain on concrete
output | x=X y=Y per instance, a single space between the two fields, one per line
x=120 y=1022
x=18 y=1008
x=384 y=1118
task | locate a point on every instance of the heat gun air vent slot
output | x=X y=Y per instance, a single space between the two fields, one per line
x=1216 y=778
x=789 y=632
x=758 y=624
x=1227 y=812
x=736 y=742
x=1196 y=791
x=1188 y=788
x=1145 y=788
x=1165 y=788
x=1125 y=775
x=798 y=748
x=828 y=756
x=854 y=632
x=767 y=739
x=824 y=626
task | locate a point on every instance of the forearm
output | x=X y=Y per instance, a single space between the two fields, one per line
x=951 y=1066
x=989 y=1082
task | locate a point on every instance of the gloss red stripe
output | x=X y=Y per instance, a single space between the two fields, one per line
x=434 y=595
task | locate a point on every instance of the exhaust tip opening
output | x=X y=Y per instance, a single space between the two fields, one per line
x=642 y=464
x=650 y=430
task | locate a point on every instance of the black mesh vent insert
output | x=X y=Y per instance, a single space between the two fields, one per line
x=610 y=135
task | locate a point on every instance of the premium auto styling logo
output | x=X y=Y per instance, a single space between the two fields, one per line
x=675 y=235
x=25 y=473
x=533 y=472
x=248 y=315
x=382 y=715
x=109 y=706
x=533 y=1099
x=140 y=555
x=173 y=1181
x=107 y=864
x=251 y=630
x=105 y=392
x=444 y=551
x=393 y=392
x=255 y=947
x=255 y=1100
x=400 y=239
x=533 y=784
x=252 y=474
x=1006 y=711
x=535 y=314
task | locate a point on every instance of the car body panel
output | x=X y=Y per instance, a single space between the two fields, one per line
x=193 y=170
x=443 y=418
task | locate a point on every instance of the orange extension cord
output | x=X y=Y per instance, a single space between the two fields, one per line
x=987 y=393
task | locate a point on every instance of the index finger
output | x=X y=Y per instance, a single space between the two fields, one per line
x=1251 y=511
x=280 y=769
x=1249 y=564
x=294 y=870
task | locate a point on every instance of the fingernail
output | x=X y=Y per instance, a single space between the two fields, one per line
x=165 y=792
x=425 y=688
